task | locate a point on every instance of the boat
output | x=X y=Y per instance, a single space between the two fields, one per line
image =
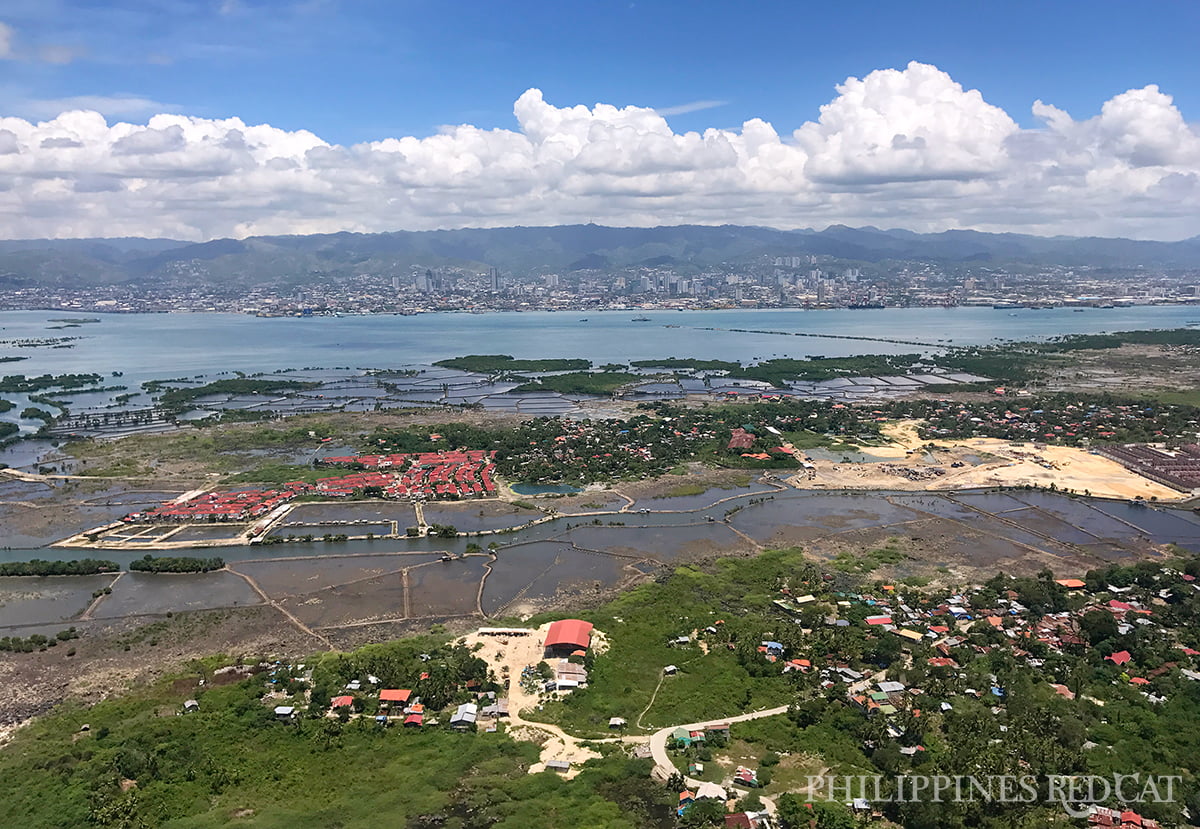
x=640 y=319
x=584 y=319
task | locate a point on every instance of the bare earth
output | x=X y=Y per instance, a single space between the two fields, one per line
x=512 y=653
x=1003 y=464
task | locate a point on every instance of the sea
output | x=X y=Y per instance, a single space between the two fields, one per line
x=162 y=346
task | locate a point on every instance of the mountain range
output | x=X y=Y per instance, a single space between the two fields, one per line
x=302 y=259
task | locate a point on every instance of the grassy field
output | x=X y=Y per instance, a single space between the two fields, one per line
x=581 y=382
x=639 y=626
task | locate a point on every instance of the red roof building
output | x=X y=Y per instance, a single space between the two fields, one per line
x=568 y=635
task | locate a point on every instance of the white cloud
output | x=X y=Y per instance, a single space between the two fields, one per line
x=6 y=40
x=113 y=106
x=691 y=106
x=908 y=148
x=910 y=125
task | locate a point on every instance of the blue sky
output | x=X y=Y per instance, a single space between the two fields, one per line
x=1113 y=148
x=357 y=70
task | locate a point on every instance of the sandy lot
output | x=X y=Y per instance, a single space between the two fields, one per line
x=1003 y=464
x=506 y=656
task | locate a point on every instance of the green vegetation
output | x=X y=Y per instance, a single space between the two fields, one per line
x=20 y=384
x=581 y=382
x=684 y=491
x=7 y=430
x=38 y=567
x=279 y=473
x=76 y=320
x=232 y=761
x=12 y=359
x=121 y=468
x=1069 y=419
x=72 y=392
x=7 y=405
x=503 y=363
x=688 y=363
x=722 y=682
x=34 y=413
x=36 y=641
x=178 y=399
x=870 y=561
x=176 y=564
x=1080 y=342
x=780 y=371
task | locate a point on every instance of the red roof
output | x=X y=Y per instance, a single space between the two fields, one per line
x=574 y=632
x=394 y=695
x=1120 y=657
x=342 y=702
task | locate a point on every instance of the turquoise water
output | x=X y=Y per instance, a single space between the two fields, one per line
x=146 y=346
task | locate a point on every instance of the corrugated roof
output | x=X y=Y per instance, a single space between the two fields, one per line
x=574 y=632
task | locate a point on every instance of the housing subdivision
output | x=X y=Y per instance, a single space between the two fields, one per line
x=251 y=513
x=1178 y=467
x=423 y=476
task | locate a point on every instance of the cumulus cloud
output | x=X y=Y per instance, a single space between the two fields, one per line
x=899 y=147
x=910 y=125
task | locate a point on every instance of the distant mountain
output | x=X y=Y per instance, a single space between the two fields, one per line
x=301 y=259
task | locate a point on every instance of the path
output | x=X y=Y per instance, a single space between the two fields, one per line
x=664 y=768
x=91 y=608
x=268 y=600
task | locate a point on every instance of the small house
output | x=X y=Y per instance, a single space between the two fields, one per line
x=388 y=696
x=285 y=712
x=464 y=717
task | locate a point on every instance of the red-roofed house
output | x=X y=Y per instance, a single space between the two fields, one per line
x=390 y=695
x=740 y=439
x=567 y=636
x=344 y=701
x=1120 y=657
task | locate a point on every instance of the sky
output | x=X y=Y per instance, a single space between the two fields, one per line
x=199 y=119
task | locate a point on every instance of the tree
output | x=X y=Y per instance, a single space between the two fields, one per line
x=1098 y=626
x=832 y=815
x=703 y=813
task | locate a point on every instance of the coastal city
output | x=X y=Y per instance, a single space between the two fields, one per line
x=809 y=281
x=599 y=416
